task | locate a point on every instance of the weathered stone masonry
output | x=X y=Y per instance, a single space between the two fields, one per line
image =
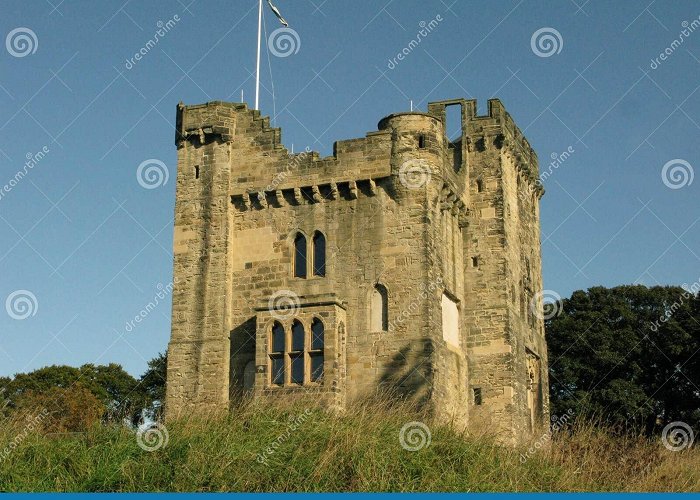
x=432 y=264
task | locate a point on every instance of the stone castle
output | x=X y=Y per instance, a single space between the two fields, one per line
x=405 y=261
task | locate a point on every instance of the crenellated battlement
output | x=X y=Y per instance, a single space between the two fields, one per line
x=494 y=129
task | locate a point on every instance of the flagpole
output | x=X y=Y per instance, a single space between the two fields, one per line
x=257 y=67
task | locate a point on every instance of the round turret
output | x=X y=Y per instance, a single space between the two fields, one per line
x=417 y=150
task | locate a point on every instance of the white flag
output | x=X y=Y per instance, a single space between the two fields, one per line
x=276 y=11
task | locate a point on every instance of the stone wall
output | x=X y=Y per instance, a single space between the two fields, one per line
x=404 y=211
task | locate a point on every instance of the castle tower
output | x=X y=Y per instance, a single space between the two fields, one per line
x=405 y=261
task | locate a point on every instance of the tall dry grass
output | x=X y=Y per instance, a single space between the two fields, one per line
x=358 y=450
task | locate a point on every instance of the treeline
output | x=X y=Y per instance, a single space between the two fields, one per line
x=69 y=399
x=627 y=356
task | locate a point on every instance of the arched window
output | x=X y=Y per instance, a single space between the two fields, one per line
x=296 y=354
x=300 y=256
x=316 y=334
x=297 y=336
x=277 y=354
x=379 y=314
x=319 y=245
x=316 y=353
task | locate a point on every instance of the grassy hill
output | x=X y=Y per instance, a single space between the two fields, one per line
x=295 y=448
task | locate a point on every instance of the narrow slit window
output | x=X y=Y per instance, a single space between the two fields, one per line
x=477 y=396
x=421 y=141
x=379 y=313
x=300 y=256
x=479 y=186
x=196 y=171
x=475 y=261
x=319 y=245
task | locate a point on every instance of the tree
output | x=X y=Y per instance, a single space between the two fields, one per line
x=61 y=409
x=152 y=383
x=627 y=354
x=118 y=392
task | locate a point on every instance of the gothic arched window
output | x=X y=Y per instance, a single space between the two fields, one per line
x=277 y=354
x=300 y=256
x=296 y=354
x=316 y=352
x=319 y=249
x=379 y=309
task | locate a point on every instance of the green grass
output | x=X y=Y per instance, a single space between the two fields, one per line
x=357 y=451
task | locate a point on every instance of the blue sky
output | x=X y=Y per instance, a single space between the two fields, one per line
x=85 y=246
